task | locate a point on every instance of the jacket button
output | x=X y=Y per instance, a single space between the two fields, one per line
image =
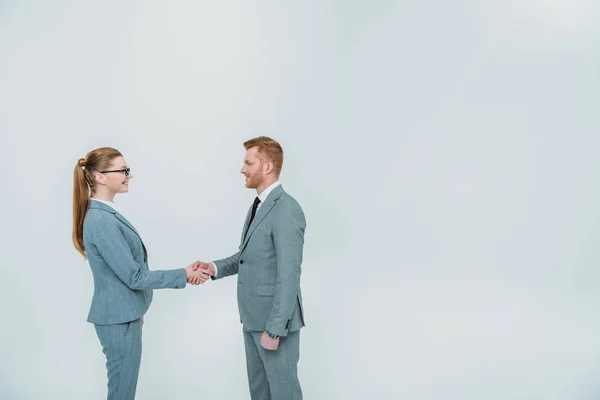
x=241 y=261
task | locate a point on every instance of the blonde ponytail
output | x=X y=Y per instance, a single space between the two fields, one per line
x=83 y=187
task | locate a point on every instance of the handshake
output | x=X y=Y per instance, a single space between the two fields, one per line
x=199 y=272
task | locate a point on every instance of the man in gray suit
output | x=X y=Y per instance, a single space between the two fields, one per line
x=268 y=266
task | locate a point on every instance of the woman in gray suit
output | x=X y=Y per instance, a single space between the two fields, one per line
x=117 y=256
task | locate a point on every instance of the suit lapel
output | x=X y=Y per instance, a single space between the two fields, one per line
x=245 y=225
x=262 y=213
x=102 y=206
x=124 y=220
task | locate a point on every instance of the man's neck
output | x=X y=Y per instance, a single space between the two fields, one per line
x=264 y=186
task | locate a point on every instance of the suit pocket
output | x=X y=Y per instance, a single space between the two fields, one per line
x=265 y=290
x=128 y=327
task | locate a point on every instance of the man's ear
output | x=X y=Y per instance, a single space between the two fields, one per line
x=269 y=167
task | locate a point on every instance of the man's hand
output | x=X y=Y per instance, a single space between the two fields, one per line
x=208 y=267
x=195 y=277
x=267 y=343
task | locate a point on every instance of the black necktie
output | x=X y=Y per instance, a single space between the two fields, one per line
x=254 y=207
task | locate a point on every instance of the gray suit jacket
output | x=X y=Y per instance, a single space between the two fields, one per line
x=123 y=282
x=268 y=265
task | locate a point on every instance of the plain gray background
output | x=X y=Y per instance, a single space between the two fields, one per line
x=445 y=155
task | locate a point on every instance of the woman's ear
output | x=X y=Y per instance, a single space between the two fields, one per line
x=100 y=178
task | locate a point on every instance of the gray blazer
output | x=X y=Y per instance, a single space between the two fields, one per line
x=123 y=282
x=268 y=265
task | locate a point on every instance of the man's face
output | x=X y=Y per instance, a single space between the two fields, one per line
x=253 y=168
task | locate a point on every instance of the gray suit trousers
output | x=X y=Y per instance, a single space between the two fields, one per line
x=122 y=345
x=273 y=375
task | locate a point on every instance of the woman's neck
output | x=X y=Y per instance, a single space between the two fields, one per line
x=103 y=195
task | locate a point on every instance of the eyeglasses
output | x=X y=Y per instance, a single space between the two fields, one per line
x=126 y=171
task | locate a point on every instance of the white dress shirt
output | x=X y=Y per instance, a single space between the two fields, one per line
x=262 y=197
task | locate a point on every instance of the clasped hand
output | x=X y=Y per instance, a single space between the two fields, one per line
x=199 y=272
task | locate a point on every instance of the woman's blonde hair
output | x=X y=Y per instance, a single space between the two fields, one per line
x=84 y=185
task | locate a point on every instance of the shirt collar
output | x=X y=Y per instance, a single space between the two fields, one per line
x=263 y=196
x=108 y=203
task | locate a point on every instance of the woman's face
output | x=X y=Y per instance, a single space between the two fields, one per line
x=116 y=177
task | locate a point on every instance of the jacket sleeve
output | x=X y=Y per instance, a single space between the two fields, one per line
x=115 y=251
x=227 y=266
x=288 y=237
